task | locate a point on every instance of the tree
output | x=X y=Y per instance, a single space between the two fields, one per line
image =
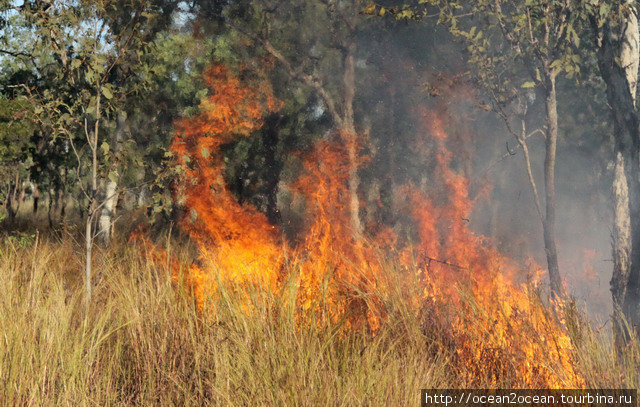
x=174 y=89
x=16 y=131
x=132 y=28
x=508 y=41
x=325 y=48
x=89 y=55
x=615 y=29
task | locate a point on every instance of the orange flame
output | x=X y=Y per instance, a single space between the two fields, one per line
x=336 y=267
x=501 y=330
x=494 y=327
x=235 y=240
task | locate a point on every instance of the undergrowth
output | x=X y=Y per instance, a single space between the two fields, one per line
x=142 y=341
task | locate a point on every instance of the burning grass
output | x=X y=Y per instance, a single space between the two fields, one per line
x=495 y=329
x=144 y=342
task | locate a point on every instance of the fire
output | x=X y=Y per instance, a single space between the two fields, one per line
x=237 y=243
x=499 y=329
x=493 y=327
x=336 y=267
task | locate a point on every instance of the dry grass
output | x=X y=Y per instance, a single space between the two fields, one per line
x=142 y=342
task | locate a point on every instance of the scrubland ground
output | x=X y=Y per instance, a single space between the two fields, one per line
x=142 y=341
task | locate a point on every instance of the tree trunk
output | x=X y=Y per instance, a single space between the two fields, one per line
x=105 y=223
x=629 y=59
x=51 y=207
x=88 y=245
x=36 y=198
x=549 y=223
x=142 y=200
x=91 y=209
x=7 y=202
x=12 y=207
x=621 y=234
x=350 y=138
x=621 y=82
x=23 y=191
x=63 y=205
x=92 y=137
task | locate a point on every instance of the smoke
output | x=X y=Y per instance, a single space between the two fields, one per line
x=423 y=67
x=406 y=72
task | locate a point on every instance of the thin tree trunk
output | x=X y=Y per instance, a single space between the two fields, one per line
x=107 y=215
x=36 y=198
x=12 y=207
x=549 y=223
x=350 y=138
x=23 y=191
x=92 y=138
x=91 y=212
x=62 y=204
x=142 y=197
x=7 y=202
x=14 y=198
x=62 y=197
x=51 y=207
x=88 y=244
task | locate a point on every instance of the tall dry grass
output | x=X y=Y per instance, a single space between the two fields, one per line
x=143 y=342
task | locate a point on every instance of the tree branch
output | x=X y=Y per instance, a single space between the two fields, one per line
x=310 y=80
x=513 y=40
x=527 y=159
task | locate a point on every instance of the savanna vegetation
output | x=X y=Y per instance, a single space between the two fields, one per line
x=220 y=202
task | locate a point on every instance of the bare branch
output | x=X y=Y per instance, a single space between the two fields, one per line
x=527 y=159
x=78 y=157
x=312 y=80
x=18 y=54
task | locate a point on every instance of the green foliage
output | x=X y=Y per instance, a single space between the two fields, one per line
x=21 y=239
x=16 y=142
x=86 y=63
x=175 y=90
x=16 y=132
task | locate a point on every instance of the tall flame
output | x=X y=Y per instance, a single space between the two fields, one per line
x=496 y=329
x=235 y=239
x=335 y=267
